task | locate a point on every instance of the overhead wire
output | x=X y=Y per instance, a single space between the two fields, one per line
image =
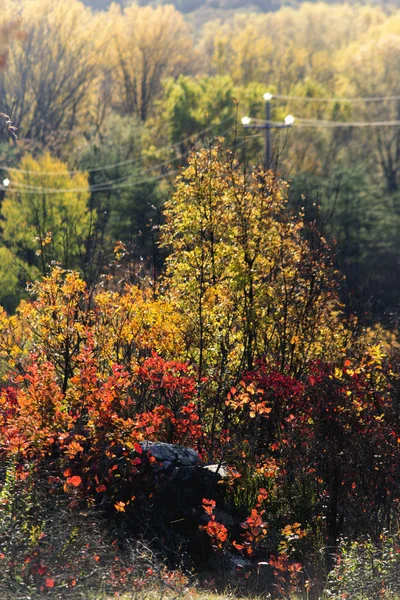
x=354 y=99
x=343 y=124
x=13 y=190
x=104 y=186
x=303 y=122
x=325 y=123
x=112 y=184
x=123 y=185
x=109 y=166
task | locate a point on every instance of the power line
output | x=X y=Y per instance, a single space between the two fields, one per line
x=13 y=190
x=303 y=122
x=163 y=149
x=343 y=124
x=353 y=99
x=106 y=185
x=127 y=183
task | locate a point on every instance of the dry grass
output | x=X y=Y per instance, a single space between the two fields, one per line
x=188 y=594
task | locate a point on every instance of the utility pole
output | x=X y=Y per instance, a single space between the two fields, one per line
x=267 y=145
x=267 y=126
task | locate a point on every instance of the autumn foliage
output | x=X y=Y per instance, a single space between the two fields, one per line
x=244 y=355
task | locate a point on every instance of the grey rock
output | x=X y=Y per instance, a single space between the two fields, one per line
x=183 y=475
x=237 y=565
x=171 y=454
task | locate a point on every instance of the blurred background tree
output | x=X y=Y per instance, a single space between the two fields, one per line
x=125 y=91
x=46 y=221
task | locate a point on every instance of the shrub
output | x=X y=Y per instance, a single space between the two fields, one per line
x=366 y=570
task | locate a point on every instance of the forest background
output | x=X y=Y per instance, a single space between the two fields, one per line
x=159 y=284
x=117 y=98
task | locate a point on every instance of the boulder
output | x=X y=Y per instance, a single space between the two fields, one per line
x=171 y=455
x=170 y=498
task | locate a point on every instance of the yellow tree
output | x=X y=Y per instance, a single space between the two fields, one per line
x=287 y=46
x=241 y=272
x=148 y=44
x=51 y=67
x=45 y=216
x=244 y=279
x=369 y=68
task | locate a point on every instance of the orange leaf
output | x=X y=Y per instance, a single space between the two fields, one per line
x=237 y=546
x=209 y=505
x=75 y=480
x=74 y=448
x=49 y=582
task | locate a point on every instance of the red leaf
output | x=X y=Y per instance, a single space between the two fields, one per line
x=42 y=570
